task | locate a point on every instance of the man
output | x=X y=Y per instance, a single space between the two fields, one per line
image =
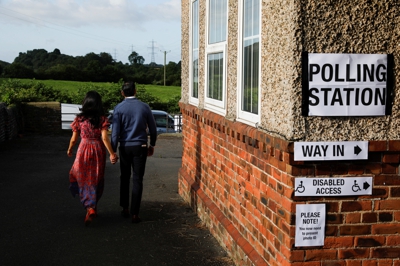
x=131 y=123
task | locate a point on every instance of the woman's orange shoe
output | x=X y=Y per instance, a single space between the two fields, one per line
x=90 y=215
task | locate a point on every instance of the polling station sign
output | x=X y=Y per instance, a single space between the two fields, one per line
x=347 y=84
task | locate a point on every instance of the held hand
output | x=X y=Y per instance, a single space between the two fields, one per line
x=114 y=158
x=150 y=151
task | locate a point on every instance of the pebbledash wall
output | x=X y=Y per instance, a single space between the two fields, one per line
x=240 y=178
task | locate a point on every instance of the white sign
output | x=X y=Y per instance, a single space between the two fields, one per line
x=326 y=151
x=347 y=84
x=310 y=225
x=323 y=187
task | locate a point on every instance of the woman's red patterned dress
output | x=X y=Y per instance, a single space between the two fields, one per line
x=87 y=173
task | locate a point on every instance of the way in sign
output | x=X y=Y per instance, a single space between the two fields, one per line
x=321 y=150
x=331 y=150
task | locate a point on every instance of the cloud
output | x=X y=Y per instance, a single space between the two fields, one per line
x=132 y=14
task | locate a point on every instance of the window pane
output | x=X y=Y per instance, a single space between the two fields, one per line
x=195 y=24
x=217 y=21
x=251 y=53
x=195 y=68
x=215 y=76
x=250 y=76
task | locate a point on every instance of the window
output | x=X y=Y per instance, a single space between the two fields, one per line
x=194 y=78
x=218 y=20
x=215 y=76
x=215 y=55
x=250 y=61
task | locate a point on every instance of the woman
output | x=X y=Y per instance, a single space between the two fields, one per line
x=87 y=173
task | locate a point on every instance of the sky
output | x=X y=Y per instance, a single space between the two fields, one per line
x=152 y=28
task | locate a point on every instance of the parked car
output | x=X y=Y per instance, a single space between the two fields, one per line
x=68 y=114
x=161 y=118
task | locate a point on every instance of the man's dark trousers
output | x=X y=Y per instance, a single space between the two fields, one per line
x=132 y=158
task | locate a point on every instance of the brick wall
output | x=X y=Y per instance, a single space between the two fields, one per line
x=8 y=122
x=241 y=183
x=43 y=117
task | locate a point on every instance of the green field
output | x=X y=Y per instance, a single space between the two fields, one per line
x=163 y=93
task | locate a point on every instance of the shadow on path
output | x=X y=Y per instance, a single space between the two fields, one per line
x=42 y=224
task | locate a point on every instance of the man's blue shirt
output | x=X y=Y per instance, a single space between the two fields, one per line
x=132 y=119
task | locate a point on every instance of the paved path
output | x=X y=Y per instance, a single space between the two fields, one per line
x=42 y=224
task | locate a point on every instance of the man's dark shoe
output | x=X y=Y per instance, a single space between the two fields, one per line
x=135 y=219
x=125 y=213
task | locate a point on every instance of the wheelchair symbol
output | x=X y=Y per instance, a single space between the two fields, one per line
x=300 y=188
x=355 y=187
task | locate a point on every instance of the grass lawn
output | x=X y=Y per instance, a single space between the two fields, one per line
x=163 y=93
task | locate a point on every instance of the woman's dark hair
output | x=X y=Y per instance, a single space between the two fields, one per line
x=92 y=108
x=129 y=88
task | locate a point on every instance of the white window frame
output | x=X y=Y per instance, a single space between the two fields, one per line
x=211 y=104
x=193 y=100
x=245 y=116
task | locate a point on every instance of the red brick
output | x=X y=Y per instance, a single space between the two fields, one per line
x=323 y=169
x=369 y=263
x=375 y=241
x=320 y=254
x=373 y=168
x=369 y=218
x=389 y=168
x=394 y=145
x=353 y=218
x=383 y=229
x=393 y=240
x=351 y=206
x=353 y=263
x=387 y=180
x=355 y=230
x=395 y=192
x=374 y=146
x=311 y=263
x=300 y=170
x=333 y=263
x=391 y=158
x=388 y=204
x=297 y=255
x=386 y=253
x=385 y=262
x=355 y=253
x=339 y=242
x=356 y=169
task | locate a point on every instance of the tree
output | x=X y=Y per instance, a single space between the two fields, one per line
x=18 y=70
x=135 y=59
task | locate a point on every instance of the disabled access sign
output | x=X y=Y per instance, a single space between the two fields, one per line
x=342 y=186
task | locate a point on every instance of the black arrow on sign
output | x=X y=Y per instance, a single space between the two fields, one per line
x=366 y=185
x=357 y=150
